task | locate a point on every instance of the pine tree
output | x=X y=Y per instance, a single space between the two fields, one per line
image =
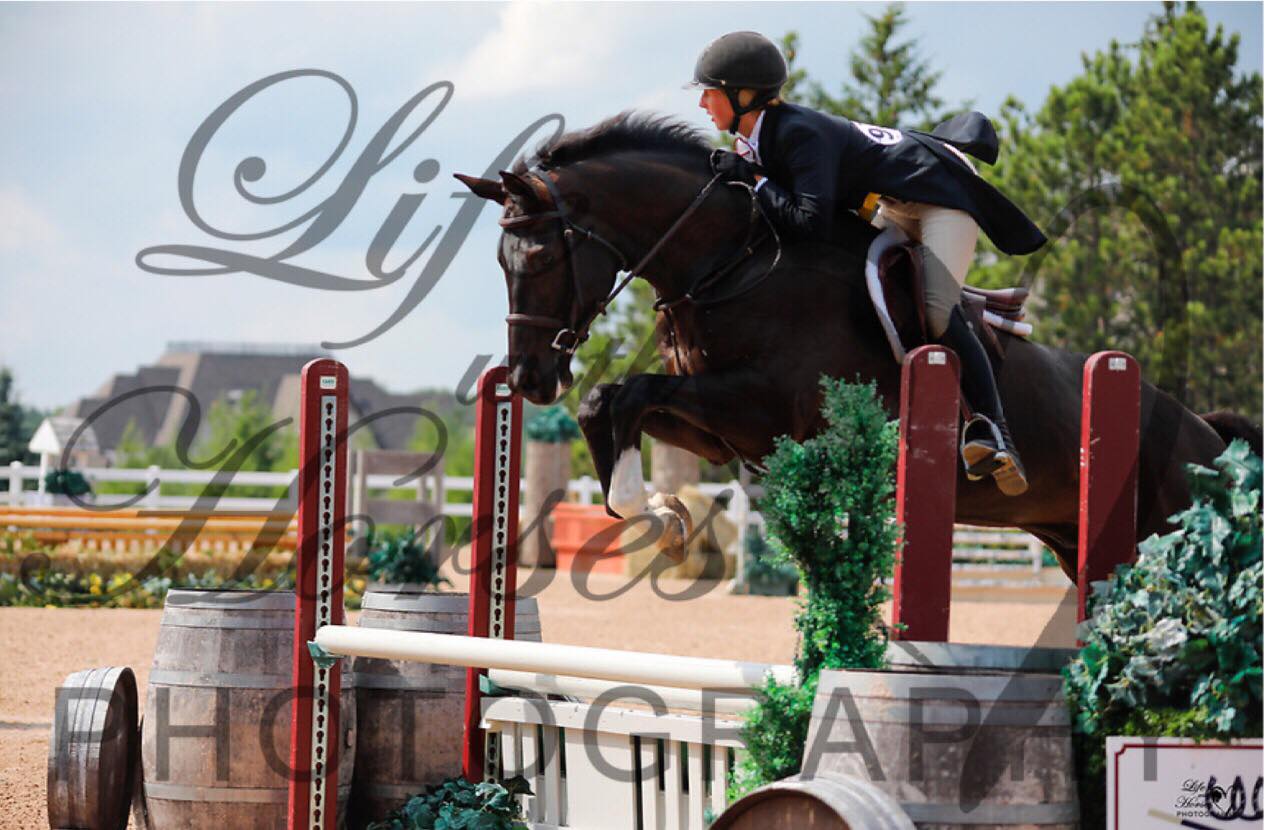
x=890 y=82
x=1146 y=171
x=14 y=434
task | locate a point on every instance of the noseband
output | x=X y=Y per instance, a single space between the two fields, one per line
x=570 y=335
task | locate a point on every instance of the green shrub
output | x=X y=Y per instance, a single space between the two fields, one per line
x=456 y=804
x=830 y=509
x=773 y=733
x=42 y=587
x=829 y=505
x=397 y=557
x=66 y=483
x=1174 y=644
x=551 y=425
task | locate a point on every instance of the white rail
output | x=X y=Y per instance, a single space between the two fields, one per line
x=633 y=667
x=721 y=702
x=592 y=764
x=601 y=763
x=974 y=548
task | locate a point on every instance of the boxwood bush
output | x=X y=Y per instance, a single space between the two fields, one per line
x=830 y=508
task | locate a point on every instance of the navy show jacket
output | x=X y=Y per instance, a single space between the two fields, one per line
x=818 y=165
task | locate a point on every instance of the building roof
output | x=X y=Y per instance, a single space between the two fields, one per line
x=180 y=388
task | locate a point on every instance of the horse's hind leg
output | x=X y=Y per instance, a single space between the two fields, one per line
x=1062 y=540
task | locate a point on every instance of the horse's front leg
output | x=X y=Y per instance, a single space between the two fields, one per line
x=718 y=412
x=594 y=417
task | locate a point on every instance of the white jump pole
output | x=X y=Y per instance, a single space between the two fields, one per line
x=633 y=667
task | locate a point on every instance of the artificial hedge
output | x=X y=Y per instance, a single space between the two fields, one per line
x=1174 y=644
x=830 y=509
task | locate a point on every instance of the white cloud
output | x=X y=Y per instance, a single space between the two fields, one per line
x=537 y=45
x=22 y=224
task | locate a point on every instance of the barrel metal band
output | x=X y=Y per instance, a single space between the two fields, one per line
x=209 y=681
x=1008 y=814
x=240 y=795
x=186 y=619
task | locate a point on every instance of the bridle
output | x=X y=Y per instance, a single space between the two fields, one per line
x=570 y=334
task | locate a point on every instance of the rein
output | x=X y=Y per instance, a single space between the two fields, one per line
x=571 y=335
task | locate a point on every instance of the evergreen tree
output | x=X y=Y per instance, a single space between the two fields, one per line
x=242 y=423
x=797 y=77
x=14 y=432
x=1146 y=171
x=890 y=83
x=131 y=451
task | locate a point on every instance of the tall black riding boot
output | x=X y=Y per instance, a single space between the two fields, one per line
x=987 y=448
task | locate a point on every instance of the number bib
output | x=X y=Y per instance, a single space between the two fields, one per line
x=879 y=135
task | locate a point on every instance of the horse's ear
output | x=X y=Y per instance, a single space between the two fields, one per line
x=516 y=185
x=483 y=188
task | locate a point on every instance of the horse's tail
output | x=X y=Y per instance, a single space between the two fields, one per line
x=1229 y=426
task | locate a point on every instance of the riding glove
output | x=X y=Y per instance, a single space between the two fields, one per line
x=732 y=167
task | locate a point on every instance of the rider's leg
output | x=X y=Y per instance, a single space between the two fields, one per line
x=949 y=241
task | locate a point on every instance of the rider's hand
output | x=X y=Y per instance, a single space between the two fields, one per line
x=732 y=167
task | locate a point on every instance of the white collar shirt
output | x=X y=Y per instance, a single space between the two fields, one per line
x=749 y=147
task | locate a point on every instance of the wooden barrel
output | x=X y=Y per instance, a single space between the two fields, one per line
x=827 y=802
x=216 y=743
x=410 y=715
x=956 y=749
x=93 y=750
x=970 y=658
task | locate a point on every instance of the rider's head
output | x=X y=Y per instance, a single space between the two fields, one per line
x=740 y=73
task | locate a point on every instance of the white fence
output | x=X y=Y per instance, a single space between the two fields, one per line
x=974 y=548
x=596 y=765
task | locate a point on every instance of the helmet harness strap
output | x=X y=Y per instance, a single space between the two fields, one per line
x=759 y=100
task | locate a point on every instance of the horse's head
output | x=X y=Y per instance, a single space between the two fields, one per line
x=561 y=249
x=558 y=271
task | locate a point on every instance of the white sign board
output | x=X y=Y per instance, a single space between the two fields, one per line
x=1163 y=783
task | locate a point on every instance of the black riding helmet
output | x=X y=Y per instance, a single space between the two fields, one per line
x=742 y=60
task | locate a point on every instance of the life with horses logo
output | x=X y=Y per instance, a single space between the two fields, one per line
x=1213 y=799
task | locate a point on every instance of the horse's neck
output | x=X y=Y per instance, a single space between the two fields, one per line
x=645 y=205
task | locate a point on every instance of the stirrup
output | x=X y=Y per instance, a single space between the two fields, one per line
x=980 y=457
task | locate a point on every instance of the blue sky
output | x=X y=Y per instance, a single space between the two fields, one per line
x=100 y=101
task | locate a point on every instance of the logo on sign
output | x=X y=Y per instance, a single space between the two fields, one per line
x=880 y=135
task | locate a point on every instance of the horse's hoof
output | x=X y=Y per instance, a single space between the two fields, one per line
x=677 y=525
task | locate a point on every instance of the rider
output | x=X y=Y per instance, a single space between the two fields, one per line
x=806 y=166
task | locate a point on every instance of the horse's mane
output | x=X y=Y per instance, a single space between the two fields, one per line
x=628 y=131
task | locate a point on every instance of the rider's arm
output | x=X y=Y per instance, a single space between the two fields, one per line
x=808 y=211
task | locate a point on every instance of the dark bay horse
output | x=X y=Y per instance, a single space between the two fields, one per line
x=745 y=351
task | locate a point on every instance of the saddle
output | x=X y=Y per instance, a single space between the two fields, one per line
x=894 y=276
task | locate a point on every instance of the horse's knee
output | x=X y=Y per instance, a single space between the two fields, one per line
x=596 y=406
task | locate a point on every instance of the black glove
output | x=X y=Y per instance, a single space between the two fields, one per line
x=732 y=167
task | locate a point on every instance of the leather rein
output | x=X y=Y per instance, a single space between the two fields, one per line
x=571 y=334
